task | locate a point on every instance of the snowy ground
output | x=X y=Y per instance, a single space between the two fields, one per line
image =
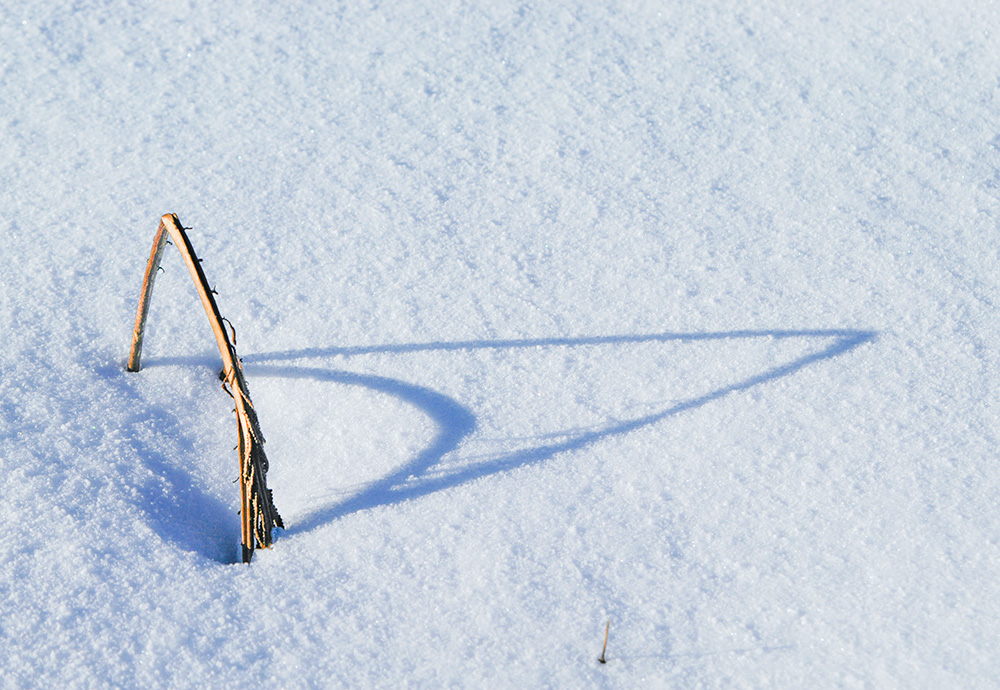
x=682 y=315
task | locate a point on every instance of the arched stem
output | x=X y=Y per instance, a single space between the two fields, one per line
x=257 y=510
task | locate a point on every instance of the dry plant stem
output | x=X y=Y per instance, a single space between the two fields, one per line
x=170 y=225
x=152 y=266
x=607 y=628
x=257 y=512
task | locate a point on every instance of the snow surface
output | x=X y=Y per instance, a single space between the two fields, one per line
x=682 y=315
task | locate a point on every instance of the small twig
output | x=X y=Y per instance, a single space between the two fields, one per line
x=232 y=328
x=607 y=628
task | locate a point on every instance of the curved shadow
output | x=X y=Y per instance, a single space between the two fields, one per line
x=455 y=421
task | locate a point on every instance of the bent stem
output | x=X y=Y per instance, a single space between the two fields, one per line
x=257 y=512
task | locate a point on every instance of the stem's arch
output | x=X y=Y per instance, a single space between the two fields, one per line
x=257 y=512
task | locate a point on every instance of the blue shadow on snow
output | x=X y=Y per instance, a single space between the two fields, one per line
x=173 y=502
x=455 y=421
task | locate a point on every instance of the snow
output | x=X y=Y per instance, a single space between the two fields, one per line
x=679 y=315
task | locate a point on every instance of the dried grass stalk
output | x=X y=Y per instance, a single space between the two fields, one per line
x=257 y=511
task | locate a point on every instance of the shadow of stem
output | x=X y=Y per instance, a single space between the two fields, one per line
x=455 y=422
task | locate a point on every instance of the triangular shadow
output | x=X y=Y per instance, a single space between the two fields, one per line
x=455 y=421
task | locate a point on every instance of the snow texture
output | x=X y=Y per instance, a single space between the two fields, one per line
x=678 y=315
